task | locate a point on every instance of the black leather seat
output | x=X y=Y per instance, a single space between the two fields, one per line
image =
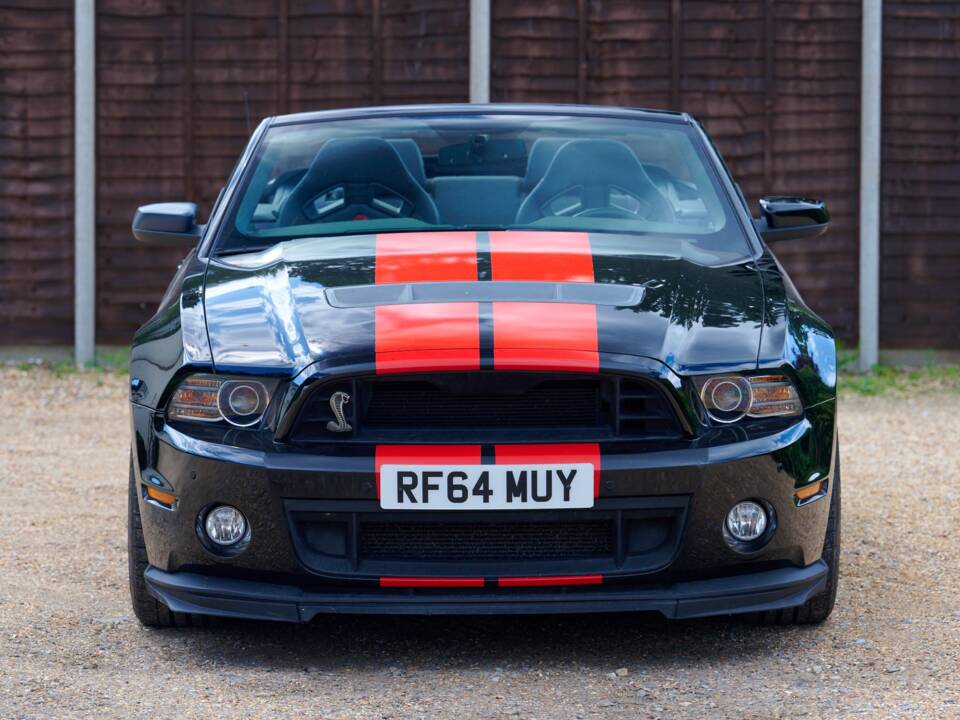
x=362 y=167
x=592 y=168
x=410 y=153
x=541 y=155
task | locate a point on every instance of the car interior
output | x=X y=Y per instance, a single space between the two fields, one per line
x=484 y=182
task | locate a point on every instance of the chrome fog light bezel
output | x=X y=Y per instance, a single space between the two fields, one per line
x=217 y=547
x=754 y=545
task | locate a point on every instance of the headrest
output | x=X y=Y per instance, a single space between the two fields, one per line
x=541 y=154
x=357 y=160
x=592 y=162
x=410 y=153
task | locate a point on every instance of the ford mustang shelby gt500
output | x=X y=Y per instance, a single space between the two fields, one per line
x=482 y=359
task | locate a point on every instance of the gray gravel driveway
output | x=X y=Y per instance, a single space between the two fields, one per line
x=70 y=647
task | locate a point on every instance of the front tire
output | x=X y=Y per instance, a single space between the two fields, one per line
x=818 y=608
x=149 y=611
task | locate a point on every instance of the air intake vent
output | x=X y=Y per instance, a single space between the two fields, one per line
x=489 y=407
x=486 y=541
x=544 y=404
x=643 y=411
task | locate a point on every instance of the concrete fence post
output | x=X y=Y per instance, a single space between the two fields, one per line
x=479 y=51
x=84 y=181
x=871 y=74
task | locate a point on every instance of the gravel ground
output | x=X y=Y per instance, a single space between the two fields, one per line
x=70 y=647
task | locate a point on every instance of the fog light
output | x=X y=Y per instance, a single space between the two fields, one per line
x=225 y=525
x=747 y=521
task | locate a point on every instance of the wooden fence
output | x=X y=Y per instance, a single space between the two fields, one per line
x=776 y=82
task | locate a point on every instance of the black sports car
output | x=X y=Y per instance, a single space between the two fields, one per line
x=482 y=359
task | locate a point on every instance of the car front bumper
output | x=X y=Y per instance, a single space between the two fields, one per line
x=696 y=574
x=230 y=597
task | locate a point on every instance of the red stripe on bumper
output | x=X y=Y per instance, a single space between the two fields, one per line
x=425 y=455
x=560 y=452
x=546 y=256
x=550 y=580
x=427 y=337
x=419 y=582
x=426 y=257
x=545 y=336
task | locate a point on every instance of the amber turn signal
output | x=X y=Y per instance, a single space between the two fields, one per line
x=808 y=491
x=161 y=496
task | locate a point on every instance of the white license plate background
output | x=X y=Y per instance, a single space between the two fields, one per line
x=543 y=484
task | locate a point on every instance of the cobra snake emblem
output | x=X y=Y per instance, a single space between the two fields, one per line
x=337 y=401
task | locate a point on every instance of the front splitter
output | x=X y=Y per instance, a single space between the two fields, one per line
x=226 y=597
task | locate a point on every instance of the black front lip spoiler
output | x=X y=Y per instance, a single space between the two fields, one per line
x=225 y=597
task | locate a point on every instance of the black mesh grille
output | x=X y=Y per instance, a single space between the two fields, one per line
x=546 y=405
x=490 y=407
x=351 y=537
x=485 y=541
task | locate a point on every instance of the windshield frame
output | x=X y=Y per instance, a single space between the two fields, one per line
x=723 y=183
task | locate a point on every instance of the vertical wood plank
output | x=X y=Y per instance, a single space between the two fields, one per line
x=376 y=56
x=675 y=53
x=583 y=18
x=283 y=56
x=187 y=93
x=769 y=90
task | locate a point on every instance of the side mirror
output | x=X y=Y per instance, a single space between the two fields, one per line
x=172 y=223
x=791 y=218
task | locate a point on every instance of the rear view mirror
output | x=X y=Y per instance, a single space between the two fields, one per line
x=791 y=218
x=173 y=223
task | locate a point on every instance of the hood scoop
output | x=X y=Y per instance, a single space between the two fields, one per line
x=356 y=296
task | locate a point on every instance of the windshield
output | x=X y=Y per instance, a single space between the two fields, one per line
x=634 y=177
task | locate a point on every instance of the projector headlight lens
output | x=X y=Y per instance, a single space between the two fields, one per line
x=728 y=398
x=211 y=398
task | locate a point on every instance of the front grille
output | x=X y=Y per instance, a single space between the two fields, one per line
x=436 y=406
x=350 y=538
x=490 y=407
x=485 y=541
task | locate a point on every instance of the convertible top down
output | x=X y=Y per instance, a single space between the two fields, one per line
x=483 y=359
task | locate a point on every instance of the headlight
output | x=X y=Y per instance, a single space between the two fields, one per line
x=211 y=398
x=728 y=398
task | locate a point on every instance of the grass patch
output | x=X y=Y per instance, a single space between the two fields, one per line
x=109 y=360
x=885 y=378
x=889 y=378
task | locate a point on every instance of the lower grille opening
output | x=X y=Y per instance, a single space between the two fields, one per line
x=346 y=538
x=485 y=541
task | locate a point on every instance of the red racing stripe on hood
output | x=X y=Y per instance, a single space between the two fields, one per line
x=545 y=256
x=427 y=337
x=552 y=453
x=545 y=336
x=425 y=455
x=426 y=257
x=431 y=336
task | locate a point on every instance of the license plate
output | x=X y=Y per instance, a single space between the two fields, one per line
x=486 y=487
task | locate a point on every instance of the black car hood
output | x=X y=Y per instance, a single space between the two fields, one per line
x=316 y=300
